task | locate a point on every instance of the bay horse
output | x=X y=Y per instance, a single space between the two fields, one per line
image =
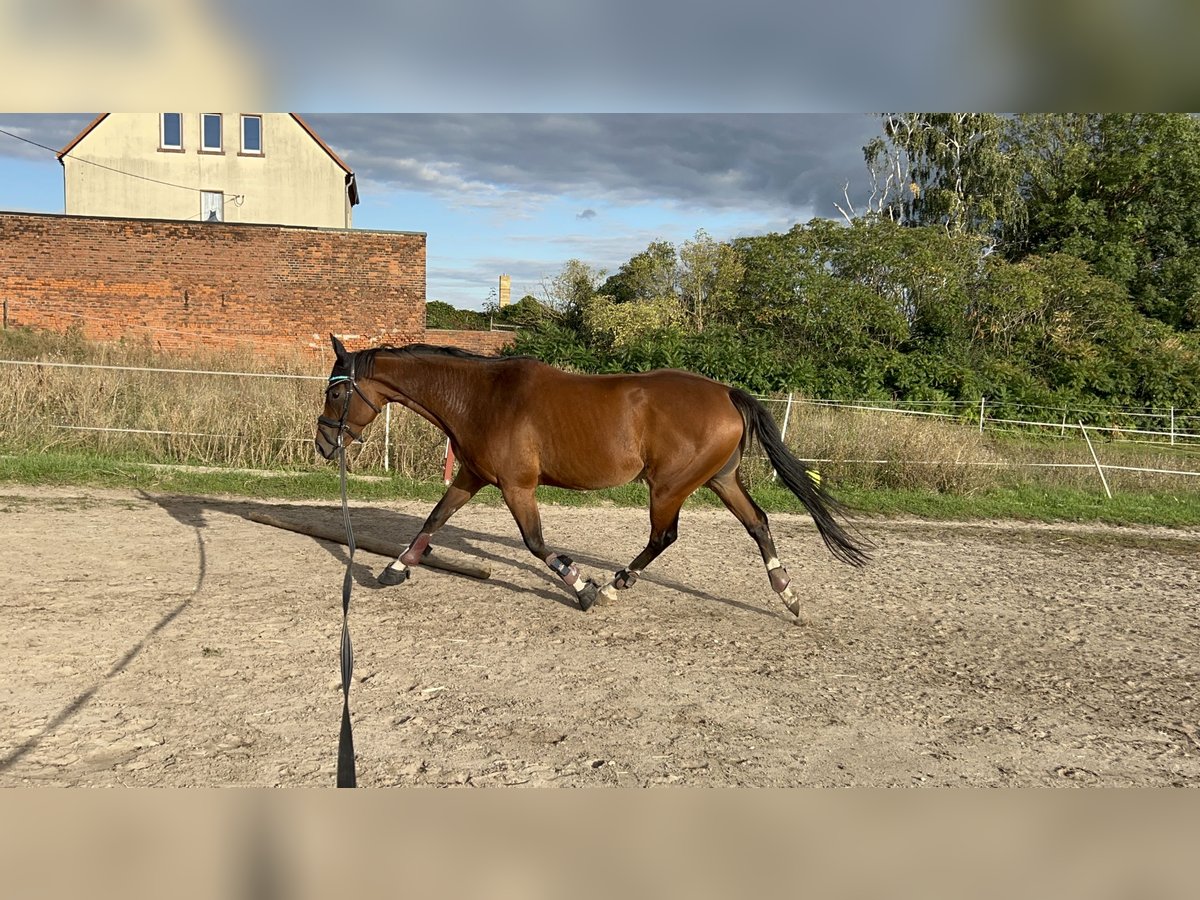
x=516 y=423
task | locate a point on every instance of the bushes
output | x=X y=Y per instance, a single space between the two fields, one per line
x=880 y=311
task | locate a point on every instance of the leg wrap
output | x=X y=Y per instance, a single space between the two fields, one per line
x=779 y=579
x=564 y=567
x=624 y=579
x=416 y=550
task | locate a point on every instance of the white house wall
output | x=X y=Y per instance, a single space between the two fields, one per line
x=294 y=182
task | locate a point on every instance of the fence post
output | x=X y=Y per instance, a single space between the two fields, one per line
x=387 y=436
x=982 y=401
x=1096 y=460
x=787 y=415
x=6 y=314
x=1172 y=426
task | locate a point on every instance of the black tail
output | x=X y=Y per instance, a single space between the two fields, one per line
x=819 y=503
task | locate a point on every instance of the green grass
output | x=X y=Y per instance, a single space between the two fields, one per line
x=1042 y=503
x=1039 y=504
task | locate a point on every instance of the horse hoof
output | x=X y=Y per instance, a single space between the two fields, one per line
x=608 y=593
x=390 y=576
x=791 y=601
x=587 y=597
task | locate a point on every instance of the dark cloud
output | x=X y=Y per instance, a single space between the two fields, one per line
x=587 y=214
x=793 y=163
x=629 y=55
x=51 y=130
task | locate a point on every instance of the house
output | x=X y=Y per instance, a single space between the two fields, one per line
x=268 y=168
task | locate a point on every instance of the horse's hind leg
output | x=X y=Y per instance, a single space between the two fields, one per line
x=465 y=485
x=522 y=503
x=727 y=485
x=664 y=529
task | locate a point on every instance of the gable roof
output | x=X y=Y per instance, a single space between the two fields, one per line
x=79 y=137
x=351 y=181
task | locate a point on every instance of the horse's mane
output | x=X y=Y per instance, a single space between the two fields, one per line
x=366 y=358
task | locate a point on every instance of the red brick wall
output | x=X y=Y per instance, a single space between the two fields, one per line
x=489 y=343
x=187 y=285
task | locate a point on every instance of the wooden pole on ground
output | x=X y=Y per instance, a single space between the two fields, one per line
x=435 y=560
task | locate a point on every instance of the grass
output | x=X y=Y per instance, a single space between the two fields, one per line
x=1054 y=503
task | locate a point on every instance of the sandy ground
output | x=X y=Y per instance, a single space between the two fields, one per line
x=151 y=640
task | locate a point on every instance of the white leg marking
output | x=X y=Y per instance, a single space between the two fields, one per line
x=774 y=563
x=790 y=600
x=397 y=566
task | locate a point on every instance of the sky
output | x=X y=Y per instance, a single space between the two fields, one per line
x=520 y=194
x=733 y=118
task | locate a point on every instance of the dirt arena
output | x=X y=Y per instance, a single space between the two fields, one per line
x=150 y=640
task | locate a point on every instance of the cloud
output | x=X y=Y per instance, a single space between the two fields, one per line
x=778 y=165
x=771 y=163
x=587 y=214
x=629 y=55
x=50 y=130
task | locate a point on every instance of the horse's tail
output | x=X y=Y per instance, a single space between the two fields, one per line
x=820 y=504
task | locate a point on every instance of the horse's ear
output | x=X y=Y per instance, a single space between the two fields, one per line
x=339 y=350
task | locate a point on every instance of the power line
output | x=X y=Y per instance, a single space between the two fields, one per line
x=182 y=187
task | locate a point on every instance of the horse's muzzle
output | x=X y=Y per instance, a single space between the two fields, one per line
x=326 y=447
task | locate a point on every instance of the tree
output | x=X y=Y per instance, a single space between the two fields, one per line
x=803 y=290
x=650 y=275
x=957 y=170
x=527 y=312
x=615 y=325
x=711 y=273
x=1119 y=191
x=569 y=292
x=439 y=314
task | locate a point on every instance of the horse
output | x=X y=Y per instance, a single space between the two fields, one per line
x=517 y=423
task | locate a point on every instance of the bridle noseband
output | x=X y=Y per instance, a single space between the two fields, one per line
x=340 y=423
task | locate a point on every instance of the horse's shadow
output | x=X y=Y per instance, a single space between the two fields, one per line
x=401 y=527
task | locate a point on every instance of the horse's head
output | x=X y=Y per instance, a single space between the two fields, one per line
x=351 y=404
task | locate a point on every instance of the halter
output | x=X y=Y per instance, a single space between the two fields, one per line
x=340 y=423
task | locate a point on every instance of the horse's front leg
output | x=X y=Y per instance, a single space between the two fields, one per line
x=664 y=529
x=522 y=503
x=465 y=485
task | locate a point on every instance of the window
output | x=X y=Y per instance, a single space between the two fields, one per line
x=212 y=206
x=210 y=132
x=170 y=131
x=252 y=135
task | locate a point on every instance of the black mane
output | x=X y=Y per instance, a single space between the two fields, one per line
x=365 y=359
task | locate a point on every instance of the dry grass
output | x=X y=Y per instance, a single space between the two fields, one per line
x=237 y=421
x=884 y=450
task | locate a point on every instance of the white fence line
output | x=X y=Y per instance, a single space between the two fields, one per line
x=64 y=365
x=1061 y=426
x=968 y=406
x=202 y=434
